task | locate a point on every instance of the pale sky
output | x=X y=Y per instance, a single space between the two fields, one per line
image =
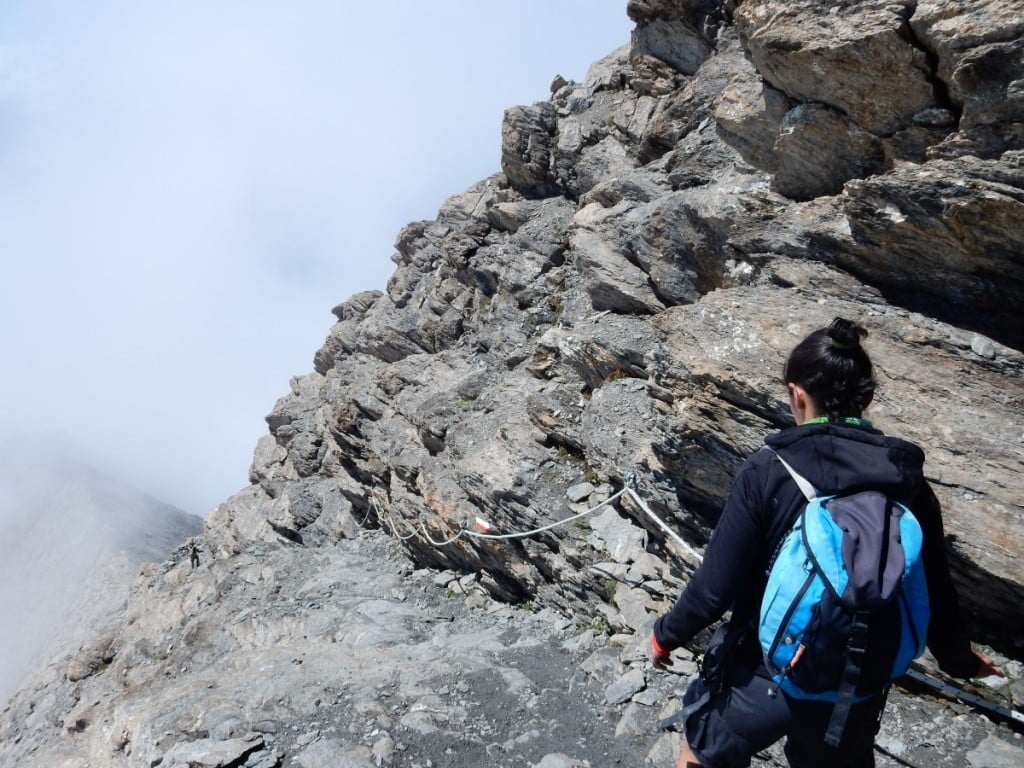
x=188 y=188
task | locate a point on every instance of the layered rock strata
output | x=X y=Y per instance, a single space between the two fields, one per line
x=618 y=300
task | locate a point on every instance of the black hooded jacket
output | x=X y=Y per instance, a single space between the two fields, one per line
x=763 y=504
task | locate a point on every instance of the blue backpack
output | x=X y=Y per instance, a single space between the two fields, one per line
x=846 y=609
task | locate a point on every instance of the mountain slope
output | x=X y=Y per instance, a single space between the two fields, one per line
x=71 y=543
x=612 y=308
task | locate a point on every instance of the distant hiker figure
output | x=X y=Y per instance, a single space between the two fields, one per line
x=193 y=553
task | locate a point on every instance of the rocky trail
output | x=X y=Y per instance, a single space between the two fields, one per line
x=358 y=659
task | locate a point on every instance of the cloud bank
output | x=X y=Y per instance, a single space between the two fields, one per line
x=187 y=189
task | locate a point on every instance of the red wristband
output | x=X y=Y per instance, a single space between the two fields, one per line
x=658 y=648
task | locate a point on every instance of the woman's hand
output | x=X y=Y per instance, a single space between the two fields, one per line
x=660 y=658
x=986 y=667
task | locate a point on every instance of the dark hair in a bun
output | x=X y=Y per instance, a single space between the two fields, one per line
x=834 y=369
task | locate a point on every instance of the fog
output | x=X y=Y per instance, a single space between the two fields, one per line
x=71 y=543
x=187 y=189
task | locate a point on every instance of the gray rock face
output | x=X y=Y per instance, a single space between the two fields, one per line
x=995 y=753
x=979 y=60
x=527 y=139
x=834 y=54
x=958 y=221
x=613 y=308
x=620 y=300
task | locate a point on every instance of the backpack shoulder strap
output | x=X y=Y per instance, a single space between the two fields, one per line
x=809 y=491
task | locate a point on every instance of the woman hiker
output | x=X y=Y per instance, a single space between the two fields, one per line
x=735 y=710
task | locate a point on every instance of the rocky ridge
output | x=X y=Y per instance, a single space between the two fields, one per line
x=619 y=300
x=614 y=306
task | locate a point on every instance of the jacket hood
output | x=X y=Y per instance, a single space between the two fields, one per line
x=839 y=458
